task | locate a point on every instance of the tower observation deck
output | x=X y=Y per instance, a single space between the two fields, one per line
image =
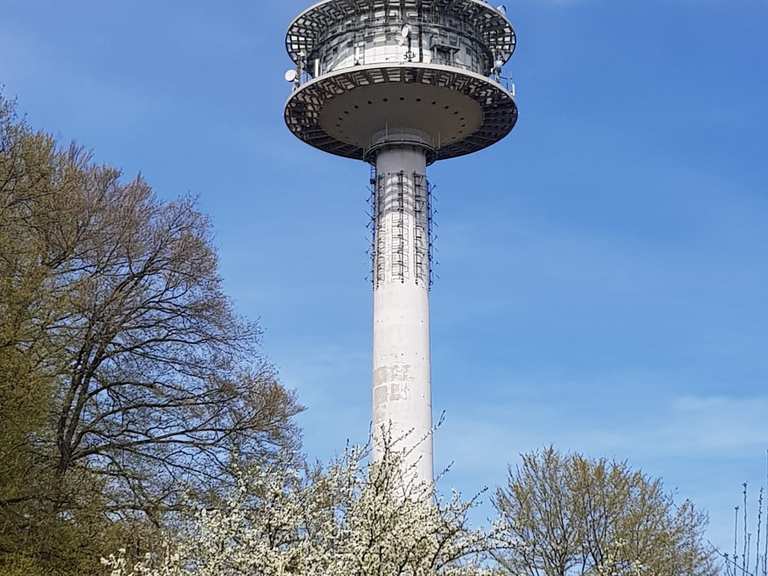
x=401 y=84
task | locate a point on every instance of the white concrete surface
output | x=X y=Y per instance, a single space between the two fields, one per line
x=402 y=400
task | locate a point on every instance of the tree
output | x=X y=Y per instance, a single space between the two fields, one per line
x=566 y=514
x=126 y=377
x=351 y=518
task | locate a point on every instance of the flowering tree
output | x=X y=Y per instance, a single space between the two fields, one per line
x=559 y=516
x=349 y=518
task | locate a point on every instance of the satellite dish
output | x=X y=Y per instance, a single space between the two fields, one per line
x=290 y=75
x=404 y=34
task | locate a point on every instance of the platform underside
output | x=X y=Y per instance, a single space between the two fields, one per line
x=459 y=112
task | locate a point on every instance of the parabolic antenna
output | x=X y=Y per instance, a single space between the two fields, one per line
x=404 y=34
x=290 y=75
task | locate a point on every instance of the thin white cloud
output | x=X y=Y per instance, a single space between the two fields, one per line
x=684 y=427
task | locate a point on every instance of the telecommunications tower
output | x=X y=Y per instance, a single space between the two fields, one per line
x=401 y=84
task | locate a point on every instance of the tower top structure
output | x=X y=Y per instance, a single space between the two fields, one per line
x=370 y=72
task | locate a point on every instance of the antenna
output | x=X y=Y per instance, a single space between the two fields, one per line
x=291 y=75
x=405 y=33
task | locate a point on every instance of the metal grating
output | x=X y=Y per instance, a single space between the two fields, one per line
x=401 y=228
x=494 y=28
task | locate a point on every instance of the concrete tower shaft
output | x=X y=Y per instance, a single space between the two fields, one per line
x=402 y=398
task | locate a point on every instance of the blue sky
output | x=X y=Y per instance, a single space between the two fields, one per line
x=602 y=272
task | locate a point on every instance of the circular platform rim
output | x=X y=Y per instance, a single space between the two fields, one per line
x=480 y=3
x=499 y=116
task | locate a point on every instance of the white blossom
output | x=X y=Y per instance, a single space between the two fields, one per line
x=352 y=518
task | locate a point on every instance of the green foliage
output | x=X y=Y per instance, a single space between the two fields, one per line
x=567 y=514
x=126 y=378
